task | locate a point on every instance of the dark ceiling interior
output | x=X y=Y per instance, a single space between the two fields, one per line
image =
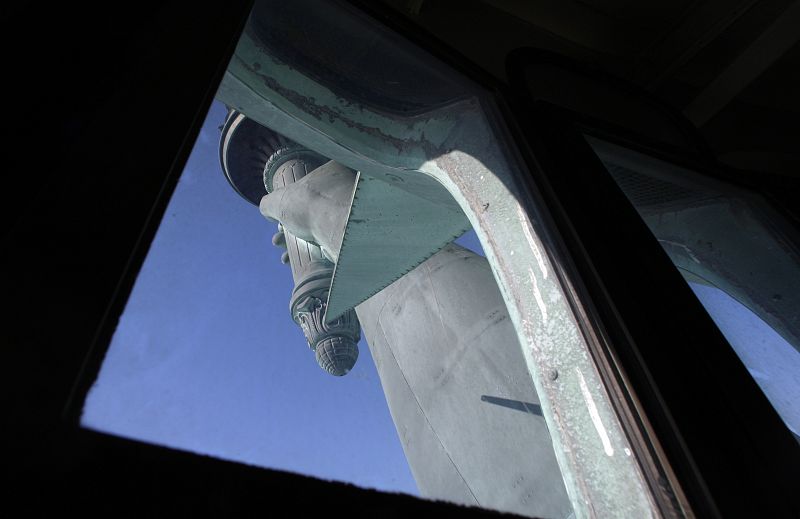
x=730 y=66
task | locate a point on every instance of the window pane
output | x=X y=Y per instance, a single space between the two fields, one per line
x=206 y=357
x=738 y=257
x=370 y=157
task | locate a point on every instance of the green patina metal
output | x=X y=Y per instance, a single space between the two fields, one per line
x=388 y=146
x=389 y=232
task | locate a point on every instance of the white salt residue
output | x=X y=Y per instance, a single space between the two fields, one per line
x=538 y=295
x=598 y=424
x=526 y=229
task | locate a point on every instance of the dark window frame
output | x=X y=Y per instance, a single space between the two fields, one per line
x=551 y=143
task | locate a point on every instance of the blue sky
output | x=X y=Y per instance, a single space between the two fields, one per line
x=770 y=359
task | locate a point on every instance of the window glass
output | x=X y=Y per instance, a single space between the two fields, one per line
x=739 y=258
x=364 y=159
x=770 y=359
x=206 y=357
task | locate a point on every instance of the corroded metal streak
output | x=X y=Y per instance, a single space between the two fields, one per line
x=453 y=156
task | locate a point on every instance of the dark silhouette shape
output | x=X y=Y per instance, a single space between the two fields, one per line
x=525 y=407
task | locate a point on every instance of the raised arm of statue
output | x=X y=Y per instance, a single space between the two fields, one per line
x=315 y=207
x=310 y=197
